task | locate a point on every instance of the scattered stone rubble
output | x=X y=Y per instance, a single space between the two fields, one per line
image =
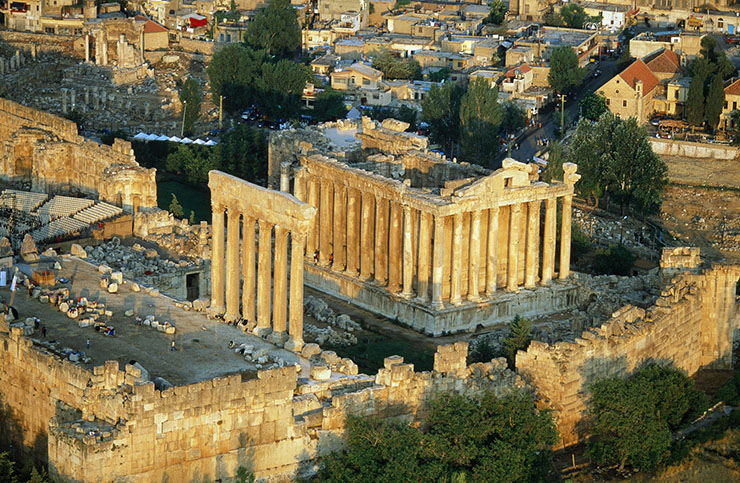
x=138 y=263
x=320 y=310
x=606 y=229
x=598 y=298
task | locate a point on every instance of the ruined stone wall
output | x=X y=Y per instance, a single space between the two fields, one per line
x=691 y=325
x=40 y=41
x=108 y=423
x=47 y=151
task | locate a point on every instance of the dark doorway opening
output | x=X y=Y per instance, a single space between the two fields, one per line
x=192 y=282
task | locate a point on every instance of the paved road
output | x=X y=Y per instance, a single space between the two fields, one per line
x=550 y=118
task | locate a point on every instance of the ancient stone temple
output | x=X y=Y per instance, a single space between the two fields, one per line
x=440 y=246
x=255 y=213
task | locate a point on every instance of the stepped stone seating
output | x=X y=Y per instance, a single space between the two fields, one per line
x=97 y=213
x=64 y=206
x=22 y=200
x=61 y=226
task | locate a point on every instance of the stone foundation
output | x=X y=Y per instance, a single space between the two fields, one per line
x=422 y=316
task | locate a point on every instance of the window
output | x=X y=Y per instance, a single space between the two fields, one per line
x=734 y=105
x=49 y=30
x=607 y=101
x=624 y=103
x=365 y=82
x=726 y=104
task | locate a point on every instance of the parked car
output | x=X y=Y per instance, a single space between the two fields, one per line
x=733 y=40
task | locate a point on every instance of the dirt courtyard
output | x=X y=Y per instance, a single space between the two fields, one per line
x=201 y=344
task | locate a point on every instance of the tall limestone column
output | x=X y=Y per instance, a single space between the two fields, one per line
x=217 y=260
x=295 y=329
x=86 y=37
x=425 y=242
x=492 y=252
x=565 y=237
x=232 y=264
x=456 y=283
x=474 y=257
x=381 y=241
x=248 y=272
x=340 y=227
x=280 y=287
x=533 y=243
x=395 y=247
x=299 y=184
x=265 y=278
x=367 y=236
x=285 y=177
x=438 y=261
x=313 y=200
x=353 y=231
x=408 y=253
x=548 y=244
x=325 y=216
x=512 y=270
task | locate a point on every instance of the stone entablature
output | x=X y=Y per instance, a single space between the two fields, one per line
x=247 y=204
x=456 y=243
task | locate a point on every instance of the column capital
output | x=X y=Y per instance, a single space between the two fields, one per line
x=218 y=207
x=264 y=223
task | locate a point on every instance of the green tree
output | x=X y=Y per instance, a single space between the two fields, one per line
x=593 y=106
x=625 y=58
x=395 y=68
x=281 y=86
x=38 y=476
x=275 y=29
x=409 y=115
x=630 y=420
x=714 y=102
x=564 y=71
x=615 y=260
x=555 y=160
x=518 y=338
x=514 y=117
x=615 y=158
x=484 y=438
x=175 y=207
x=695 y=100
x=329 y=105
x=243 y=475
x=243 y=153
x=573 y=15
x=8 y=473
x=482 y=351
x=498 y=12
x=190 y=97
x=440 y=108
x=480 y=119
x=233 y=73
x=440 y=75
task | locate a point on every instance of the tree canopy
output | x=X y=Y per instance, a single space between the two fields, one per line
x=440 y=108
x=481 y=116
x=565 y=74
x=190 y=97
x=329 y=105
x=573 y=15
x=395 y=68
x=630 y=420
x=615 y=158
x=275 y=29
x=498 y=12
x=514 y=117
x=480 y=439
x=593 y=106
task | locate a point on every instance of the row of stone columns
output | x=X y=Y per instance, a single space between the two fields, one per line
x=15 y=62
x=238 y=280
x=399 y=245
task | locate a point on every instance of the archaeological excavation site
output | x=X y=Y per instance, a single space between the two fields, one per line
x=136 y=346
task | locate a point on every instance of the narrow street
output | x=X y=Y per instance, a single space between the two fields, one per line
x=550 y=116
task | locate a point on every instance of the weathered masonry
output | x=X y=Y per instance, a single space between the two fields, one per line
x=47 y=152
x=251 y=209
x=440 y=246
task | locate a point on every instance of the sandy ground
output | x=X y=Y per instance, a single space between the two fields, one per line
x=201 y=344
x=703 y=172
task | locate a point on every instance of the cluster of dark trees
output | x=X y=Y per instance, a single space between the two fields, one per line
x=469 y=122
x=241 y=152
x=706 y=96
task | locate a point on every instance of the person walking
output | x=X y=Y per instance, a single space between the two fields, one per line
x=87 y=343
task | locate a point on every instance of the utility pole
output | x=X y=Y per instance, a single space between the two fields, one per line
x=220 y=112
x=562 y=114
x=184 y=109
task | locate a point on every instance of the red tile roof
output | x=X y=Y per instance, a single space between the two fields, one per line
x=733 y=89
x=664 y=61
x=151 y=26
x=523 y=69
x=639 y=71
